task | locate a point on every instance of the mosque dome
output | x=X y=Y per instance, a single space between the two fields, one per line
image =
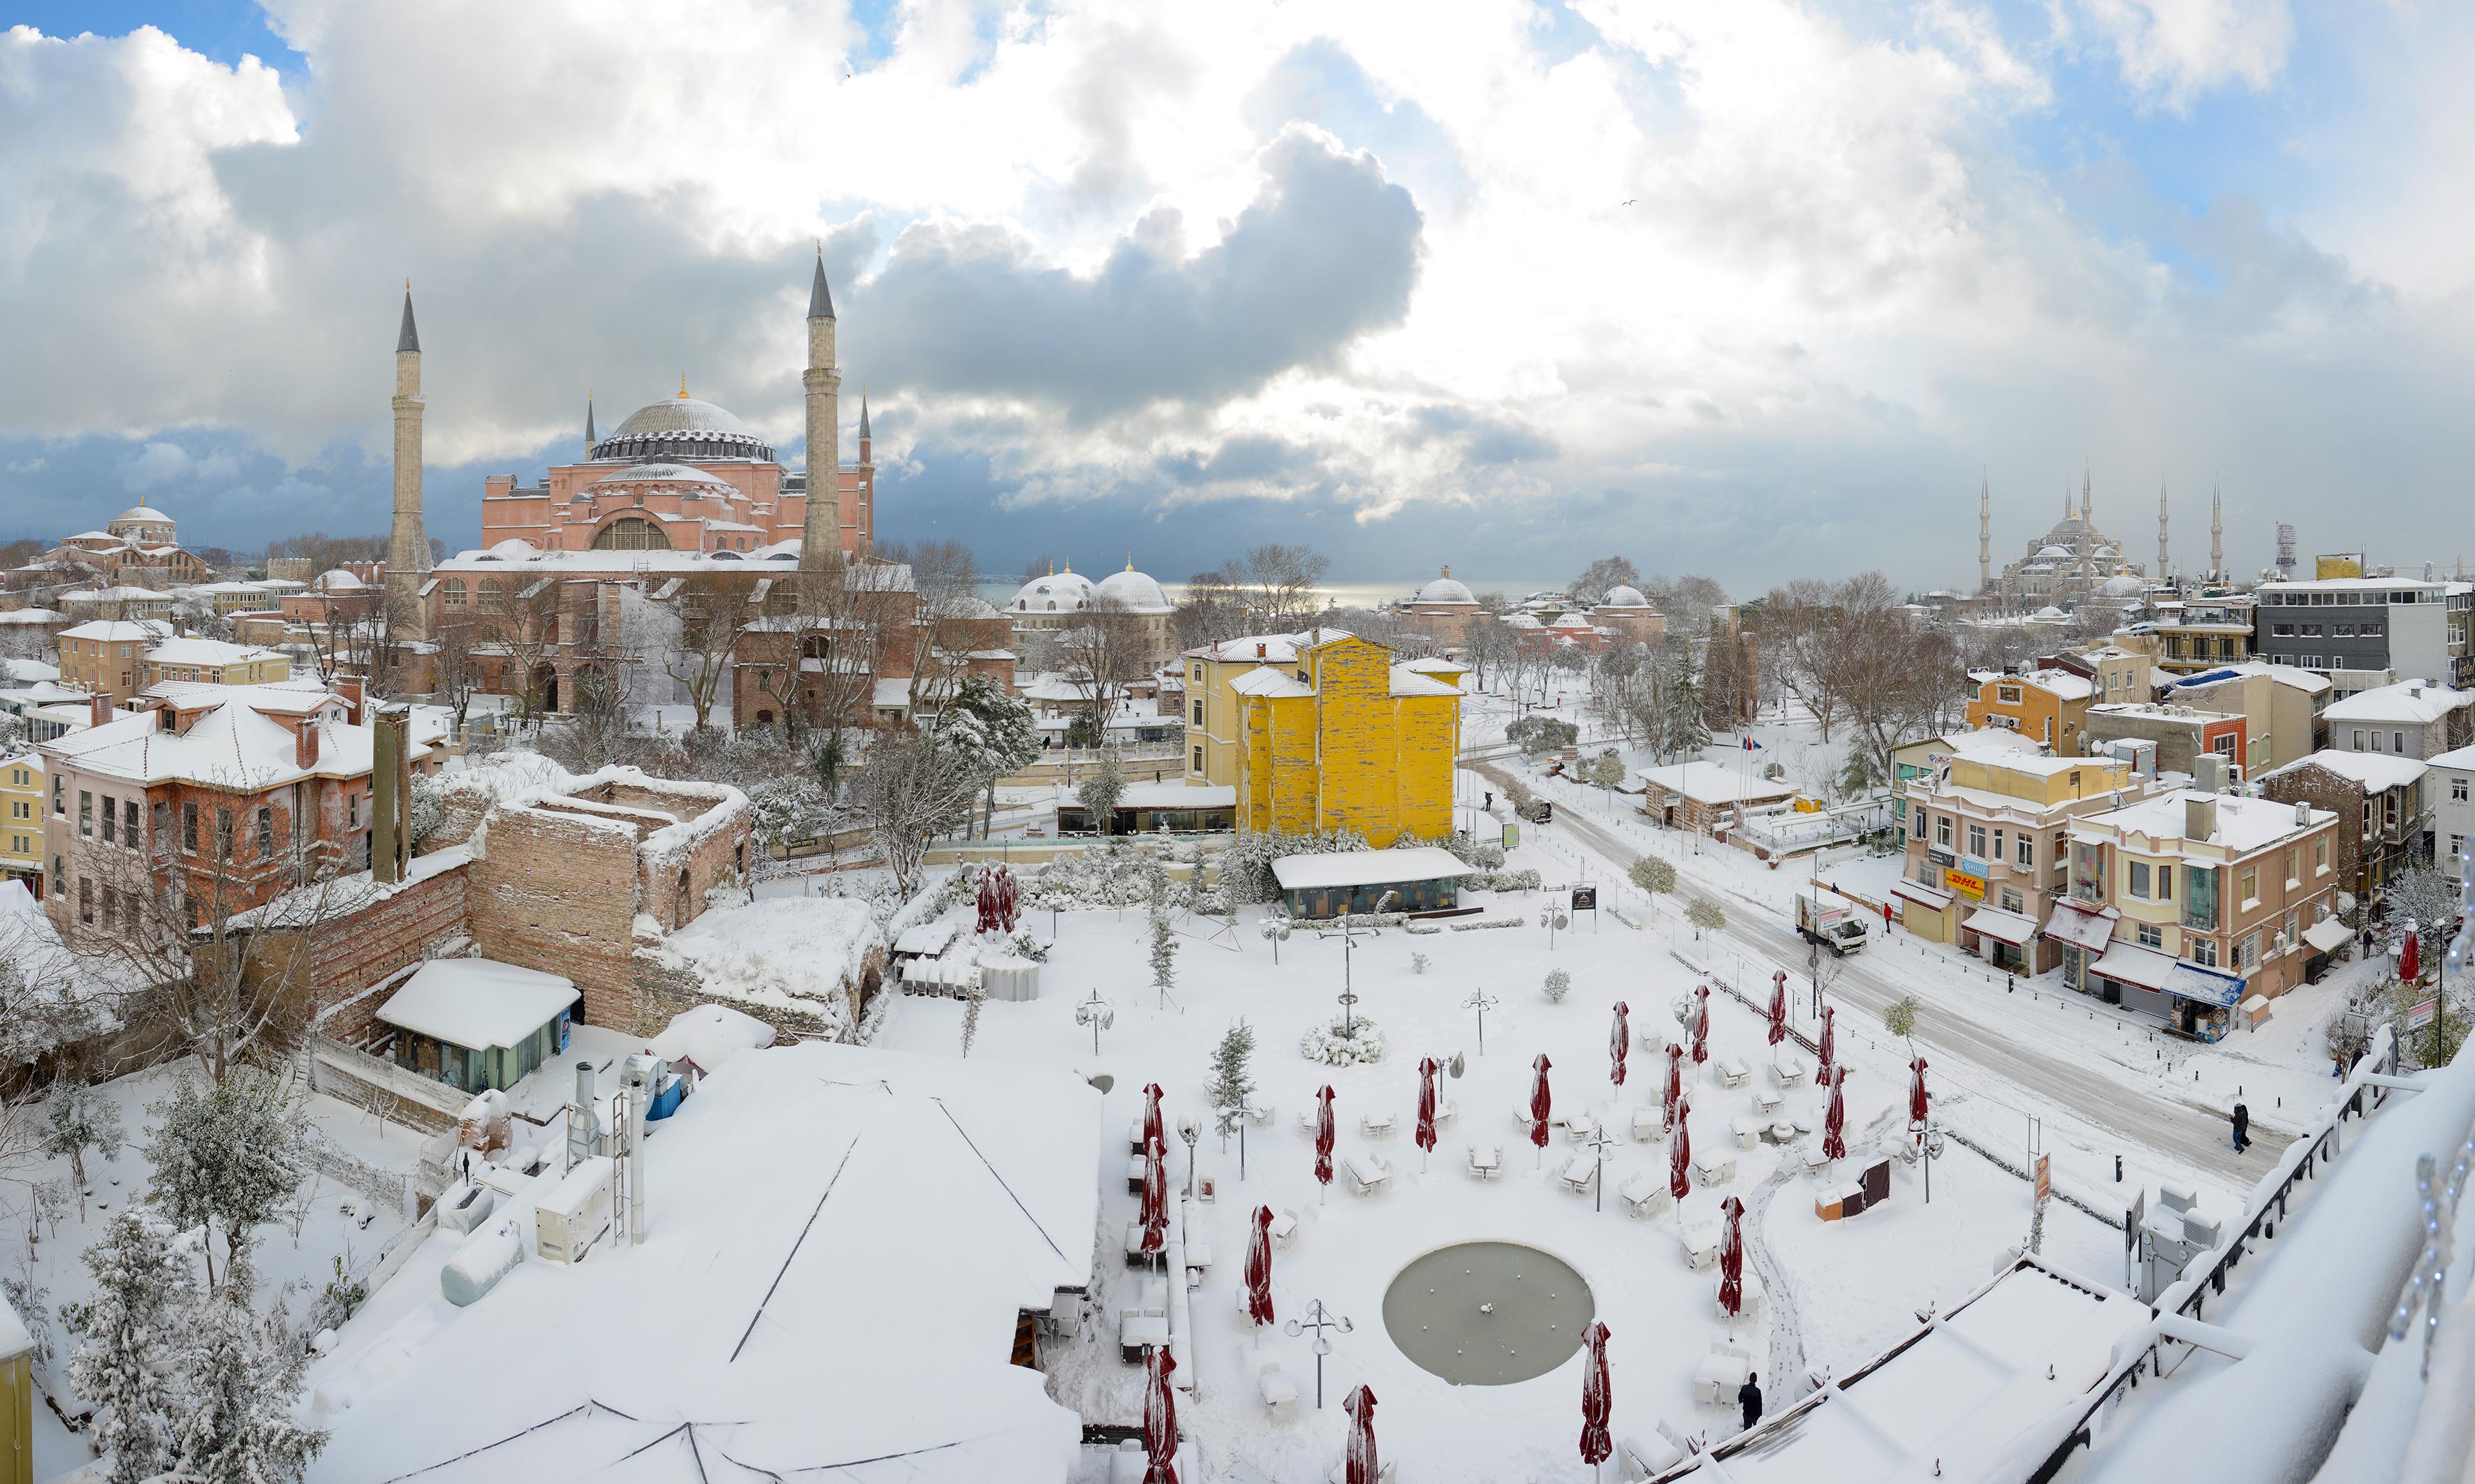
x=1444 y=590
x=1061 y=592
x=145 y=513
x=335 y=579
x=515 y=548
x=682 y=426
x=1624 y=597
x=1133 y=589
x=664 y=474
x=2123 y=585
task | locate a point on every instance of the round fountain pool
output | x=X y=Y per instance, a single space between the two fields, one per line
x=1488 y=1313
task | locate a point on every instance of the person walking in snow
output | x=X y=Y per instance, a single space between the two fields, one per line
x=2242 y=1127
x=1749 y=1398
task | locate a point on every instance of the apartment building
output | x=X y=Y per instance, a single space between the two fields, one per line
x=2387 y=798
x=1986 y=837
x=2285 y=707
x=2364 y=632
x=109 y=655
x=2205 y=901
x=2412 y=719
x=2049 y=706
x=21 y=819
x=2201 y=633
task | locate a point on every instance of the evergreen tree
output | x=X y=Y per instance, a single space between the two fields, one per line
x=1164 y=940
x=243 y=1380
x=1232 y=1080
x=229 y=1152
x=996 y=732
x=82 y=1118
x=1682 y=730
x=133 y=1334
x=1102 y=786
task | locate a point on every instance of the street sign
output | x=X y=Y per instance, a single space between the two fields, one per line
x=2421 y=1014
x=1585 y=899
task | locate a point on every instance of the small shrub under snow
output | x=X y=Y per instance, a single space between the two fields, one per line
x=1559 y=984
x=1325 y=1044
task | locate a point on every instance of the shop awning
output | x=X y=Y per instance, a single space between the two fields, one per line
x=2328 y=934
x=2132 y=964
x=2209 y=987
x=2086 y=927
x=1922 y=896
x=2007 y=927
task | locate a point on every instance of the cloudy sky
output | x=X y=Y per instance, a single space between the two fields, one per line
x=1743 y=287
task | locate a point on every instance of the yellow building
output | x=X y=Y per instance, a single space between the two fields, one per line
x=21 y=819
x=213 y=662
x=1323 y=731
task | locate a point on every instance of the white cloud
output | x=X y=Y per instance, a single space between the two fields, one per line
x=1730 y=259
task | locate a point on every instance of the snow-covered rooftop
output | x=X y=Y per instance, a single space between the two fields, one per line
x=2244 y=824
x=207 y=651
x=2408 y=700
x=2377 y=771
x=1368 y=867
x=476 y=1003
x=1710 y=783
x=840 y=1243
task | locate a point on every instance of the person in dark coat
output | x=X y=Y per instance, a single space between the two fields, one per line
x=2242 y=1127
x=1750 y=1396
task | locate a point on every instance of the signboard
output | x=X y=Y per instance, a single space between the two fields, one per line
x=2045 y=1178
x=1970 y=887
x=2422 y=1016
x=1971 y=866
x=1940 y=857
x=1585 y=899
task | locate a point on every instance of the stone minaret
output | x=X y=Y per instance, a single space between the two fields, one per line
x=589 y=439
x=1985 y=534
x=821 y=537
x=866 y=480
x=2216 y=534
x=2085 y=517
x=2161 y=530
x=407 y=544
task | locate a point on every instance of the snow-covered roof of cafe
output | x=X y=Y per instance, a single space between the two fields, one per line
x=1960 y=1398
x=1368 y=867
x=476 y=1003
x=1713 y=783
x=839 y=1242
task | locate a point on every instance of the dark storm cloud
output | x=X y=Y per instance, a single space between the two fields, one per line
x=1328 y=251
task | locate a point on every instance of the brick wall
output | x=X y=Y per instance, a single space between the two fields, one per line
x=557 y=893
x=2342 y=796
x=354 y=952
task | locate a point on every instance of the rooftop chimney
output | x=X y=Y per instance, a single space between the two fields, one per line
x=2199 y=818
x=2302 y=813
x=304 y=744
x=350 y=689
x=98 y=709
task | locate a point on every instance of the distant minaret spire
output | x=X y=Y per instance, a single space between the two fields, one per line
x=407 y=544
x=821 y=531
x=589 y=439
x=2216 y=532
x=2161 y=530
x=2084 y=498
x=1985 y=533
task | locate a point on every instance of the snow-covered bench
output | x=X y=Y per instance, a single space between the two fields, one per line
x=1579 y=1172
x=1787 y=1069
x=1376 y=1126
x=1730 y=1071
x=1280 y=1393
x=1748 y=1131
x=1649 y=1126
x=1367 y=1173
x=1714 y=1169
x=1700 y=1243
x=1646 y=1195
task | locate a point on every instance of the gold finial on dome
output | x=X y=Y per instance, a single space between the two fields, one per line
x=1130 y=559
x=683 y=385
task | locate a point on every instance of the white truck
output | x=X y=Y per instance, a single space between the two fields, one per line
x=1824 y=916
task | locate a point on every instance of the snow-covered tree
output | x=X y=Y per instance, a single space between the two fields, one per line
x=429 y=806
x=1164 y=939
x=242 y=1380
x=993 y=731
x=1682 y=730
x=81 y=1118
x=228 y=1153
x=1653 y=875
x=1706 y=917
x=1102 y=786
x=133 y=1331
x=785 y=808
x=1607 y=771
x=908 y=791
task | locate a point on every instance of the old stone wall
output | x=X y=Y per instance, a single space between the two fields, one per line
x=556 y=892
x=357 y=950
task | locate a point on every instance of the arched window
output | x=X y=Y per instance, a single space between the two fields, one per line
x=453 y=594
x=629 y=533
x=491 y=601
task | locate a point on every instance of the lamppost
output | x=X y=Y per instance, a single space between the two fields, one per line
x=1481 y=1002
x=1277 y=930
x=1598 y=1143
x=1550 y=918
x=1097 y=1014
x=1930 y=1150
x=1322 y=1320
x=1348 y=944
x=1191 y=1129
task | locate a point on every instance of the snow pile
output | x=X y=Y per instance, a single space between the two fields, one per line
x=801 y=955
x=709 y=1036
x=1325 y=1044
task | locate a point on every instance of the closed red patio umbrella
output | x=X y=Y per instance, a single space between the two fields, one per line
x=1619 y=1041
x=1541 y=1106
x=1779 y=1007
x=1160 y=1418
x=1323 y=1141
x=1830 y=1013
x=1153 y=1127
x=1596 y=1402
x=1834 y=1119
x=1259 y=1269
x=1679 y=1155
x=1360 y=1466
x=1155 y=1212
x=1731 y=1258
x=1917 y=1103
x=2411 y=959
x=1674 y=1086
x=1700 y=1024
x=1426 y=1135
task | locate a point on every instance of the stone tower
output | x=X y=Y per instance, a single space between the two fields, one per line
x=2161 y=530
x=821 y=537
x=1985 y=534
x=408 y=543
x=2216 y=534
